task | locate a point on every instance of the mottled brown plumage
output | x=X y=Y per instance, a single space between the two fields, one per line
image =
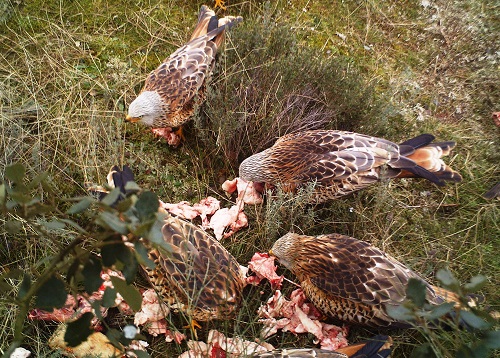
x=349 y=279
x=199 y=276
x=340 y=163
x=174 y=89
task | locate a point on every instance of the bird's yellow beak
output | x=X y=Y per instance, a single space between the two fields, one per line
x=270 y=253
x=132 y=119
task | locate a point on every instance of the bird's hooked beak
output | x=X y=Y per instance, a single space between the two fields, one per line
x=270 y=253
x=132 y=119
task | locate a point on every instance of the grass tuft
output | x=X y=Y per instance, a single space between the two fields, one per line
x=266 y=85
x=68 y=73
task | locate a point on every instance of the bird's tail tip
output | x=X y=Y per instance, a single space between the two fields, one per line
x=208 y=22
x=427 y=157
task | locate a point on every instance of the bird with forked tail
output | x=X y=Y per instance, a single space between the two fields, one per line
x=340 y=163
x=174 y=90
x=351 y=280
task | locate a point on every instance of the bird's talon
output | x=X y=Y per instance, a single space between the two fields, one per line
x=220 y=4
x=180 y=133
x=193 y=326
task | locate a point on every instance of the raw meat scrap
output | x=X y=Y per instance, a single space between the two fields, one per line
x=299 y=316
x=263 y=266
x=233 y=218
x=218 y=345
x=172 y=139
x=152 y=317
x=246 y=191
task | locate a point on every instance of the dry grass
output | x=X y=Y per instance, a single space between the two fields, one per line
x=67 y=75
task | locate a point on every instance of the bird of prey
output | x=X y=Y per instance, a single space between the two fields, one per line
x=376 y=347
x=340 y=162
x=174 y=90
x=350 y=280
x=198 y=275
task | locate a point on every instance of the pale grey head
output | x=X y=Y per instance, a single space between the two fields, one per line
x=251 y=168
x=147 y=109
x=285 y=251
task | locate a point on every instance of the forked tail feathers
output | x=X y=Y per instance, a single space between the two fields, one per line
x=208 y=22
x=448 y=296
x=427 y=156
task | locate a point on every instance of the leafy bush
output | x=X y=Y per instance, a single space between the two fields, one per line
x=97 y=226
x=451 y=330
x=268 y=86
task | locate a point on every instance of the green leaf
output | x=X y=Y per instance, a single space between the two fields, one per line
x=119 y=252
x=4 y=287
x=448 y=280
x=476 y=283
x=491 y=339
x=37 y=208
x=147 y=205
x=480 y=351
x=53 y=224
x=80 y=206
x=74 y=225
x=25 y=286
x=129 y=270
x=2 y=194
x=72 y=270
x=52 y=294
x=131 y=186
x=114 y=336
x=439 y=311
x=416 y=291
x=92 y=274
x=15 y=172
x=423 y=351
x=400 y=312
x=155 y=234
x=143 y=229
x=108 y=251
x=141 y=354
x=37 y=180
x=11 y=204
x=23 y=198
x=474 y=321
x=124 y=205
x=13 y=226
x=78 y=331
x=110 y=221
x=96 y=305
x=111 y=197
x=13 y=273
x=108 y=298
x=114 y=252
x=465 y=352
x=128 y=292
x=141 y=253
